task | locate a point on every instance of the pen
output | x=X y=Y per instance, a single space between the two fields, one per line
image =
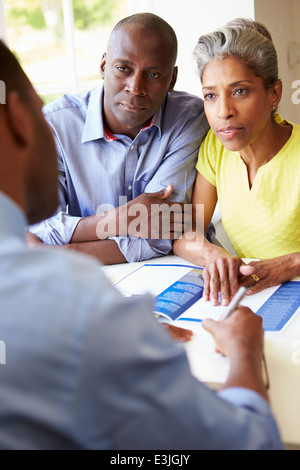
x=234 y=302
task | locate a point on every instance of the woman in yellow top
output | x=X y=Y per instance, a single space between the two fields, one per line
x=249 y=162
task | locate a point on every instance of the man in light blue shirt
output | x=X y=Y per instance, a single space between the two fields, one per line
x=132 y=135
x=85 y=367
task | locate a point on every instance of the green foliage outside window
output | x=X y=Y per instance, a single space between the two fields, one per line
x=21 y=12
x=87 y=13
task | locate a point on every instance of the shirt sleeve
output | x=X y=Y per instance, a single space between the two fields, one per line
x=178 y=165
x=206 y=164
x=177 y=168
x=139 y=249
x=57 y=230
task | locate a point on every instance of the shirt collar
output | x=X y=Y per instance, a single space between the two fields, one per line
x=12 y=219
x=94 y=127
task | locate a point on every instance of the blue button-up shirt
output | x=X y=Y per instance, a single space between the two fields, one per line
x=97 y=168
x=89 y=369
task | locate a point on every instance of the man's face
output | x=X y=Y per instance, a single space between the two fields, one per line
x=138 y=72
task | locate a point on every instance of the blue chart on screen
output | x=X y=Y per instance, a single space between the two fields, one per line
x=281 y=306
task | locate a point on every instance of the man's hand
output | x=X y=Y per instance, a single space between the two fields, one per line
x=240 y=338
x=148 y=216
x=241 y=330
x=179 y=334
x=151 y=216
x=32 y=239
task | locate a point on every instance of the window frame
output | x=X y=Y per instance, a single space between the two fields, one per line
x=68 y=20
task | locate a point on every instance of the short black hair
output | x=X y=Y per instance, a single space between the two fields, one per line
x=152 y=22
x=11 y=72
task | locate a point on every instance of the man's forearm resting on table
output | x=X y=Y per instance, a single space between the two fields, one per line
x=144 y=217
x=106 y=251
x=87 y=229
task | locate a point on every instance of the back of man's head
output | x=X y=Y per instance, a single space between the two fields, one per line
x=28 y=163
x=12 y=75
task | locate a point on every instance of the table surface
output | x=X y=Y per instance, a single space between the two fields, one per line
x=282 y=352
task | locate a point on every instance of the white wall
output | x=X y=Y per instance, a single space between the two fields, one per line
x=283 y=20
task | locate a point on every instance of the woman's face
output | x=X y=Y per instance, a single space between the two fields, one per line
x=237 y=105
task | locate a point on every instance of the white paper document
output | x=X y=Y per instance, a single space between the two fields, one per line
x=177 y=291
x=177 y=295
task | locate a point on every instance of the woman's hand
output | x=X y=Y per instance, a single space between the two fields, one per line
x=223 y=273
x=275 y=271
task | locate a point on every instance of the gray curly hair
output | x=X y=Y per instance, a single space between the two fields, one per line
x=243 y=38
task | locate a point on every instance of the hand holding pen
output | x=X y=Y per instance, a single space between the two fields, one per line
x=245 y=325
x=234 y=302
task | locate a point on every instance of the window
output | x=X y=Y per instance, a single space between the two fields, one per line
x=59 y=42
